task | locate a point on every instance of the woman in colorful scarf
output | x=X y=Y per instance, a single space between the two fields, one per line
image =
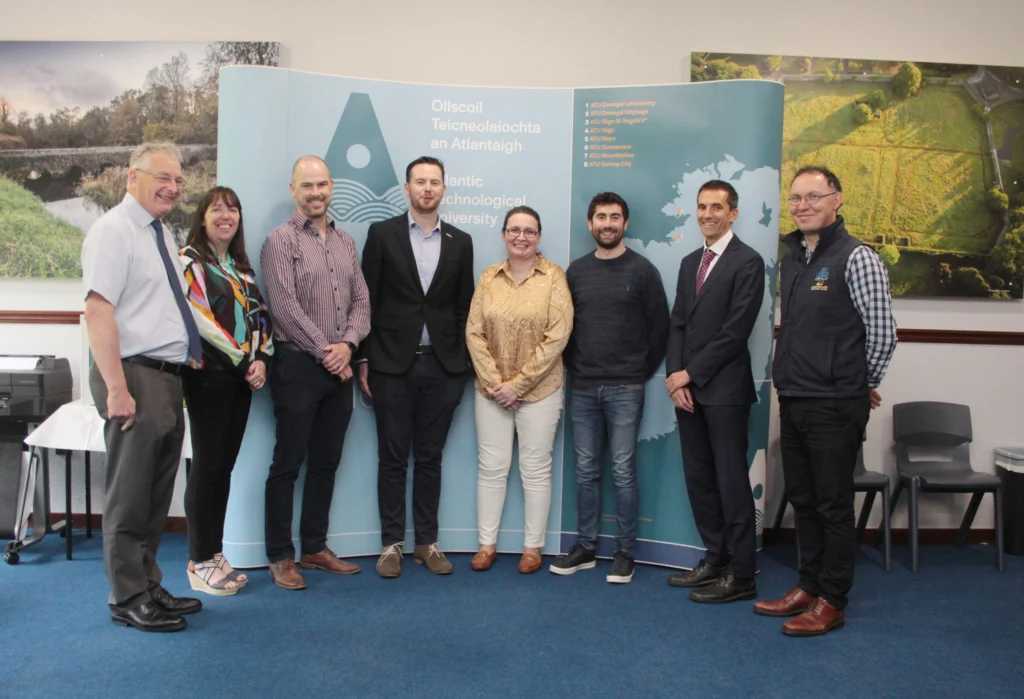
x=237 y=346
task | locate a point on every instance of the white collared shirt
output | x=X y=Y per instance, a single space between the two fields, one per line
x=719 y=249
x=121 y=263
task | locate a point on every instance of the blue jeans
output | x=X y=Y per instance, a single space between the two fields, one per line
x=614 y=411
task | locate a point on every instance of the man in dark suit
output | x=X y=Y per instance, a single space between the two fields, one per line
x=419 y=271
x=718 y=297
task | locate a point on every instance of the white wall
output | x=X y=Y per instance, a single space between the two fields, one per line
x=574 y=43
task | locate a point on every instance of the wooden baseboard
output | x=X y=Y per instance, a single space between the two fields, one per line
x=899 y=536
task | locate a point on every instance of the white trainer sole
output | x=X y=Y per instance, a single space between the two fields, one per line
x=570 y=571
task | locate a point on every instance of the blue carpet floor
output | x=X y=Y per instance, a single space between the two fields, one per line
x=954 y=629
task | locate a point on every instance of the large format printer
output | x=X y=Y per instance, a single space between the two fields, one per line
x=32 y=388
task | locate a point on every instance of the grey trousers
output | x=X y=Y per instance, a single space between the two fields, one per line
x=142 y=463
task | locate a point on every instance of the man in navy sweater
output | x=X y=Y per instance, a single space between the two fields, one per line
x=620 y=331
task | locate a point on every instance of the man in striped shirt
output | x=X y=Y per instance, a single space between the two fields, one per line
x=320 y=308
x=835 y=342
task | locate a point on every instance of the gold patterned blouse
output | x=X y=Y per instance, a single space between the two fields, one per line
x=516 y=332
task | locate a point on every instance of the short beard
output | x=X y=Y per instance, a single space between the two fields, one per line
x=607 y=246
x=419 y=210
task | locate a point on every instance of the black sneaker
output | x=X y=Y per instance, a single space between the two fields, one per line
x=578 y=558
x=622 y=568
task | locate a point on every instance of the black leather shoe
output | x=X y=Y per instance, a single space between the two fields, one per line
x=149 y=617
x=174 y=605
x=703 y=574
x=725 y=589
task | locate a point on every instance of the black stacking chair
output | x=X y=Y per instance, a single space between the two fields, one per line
x=870 y=483
x=941 y=425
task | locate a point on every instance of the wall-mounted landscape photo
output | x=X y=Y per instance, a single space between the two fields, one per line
x=931 y=157
x=71 y=113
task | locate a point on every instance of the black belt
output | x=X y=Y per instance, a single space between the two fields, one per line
x=290 y=346
x=425 y=349
x=167 y=367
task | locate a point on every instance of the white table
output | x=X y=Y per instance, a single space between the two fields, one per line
x=75 y=426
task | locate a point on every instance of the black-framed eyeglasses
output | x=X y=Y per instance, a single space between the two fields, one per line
x=165 y=179
x=812 y=198
x=528 y=233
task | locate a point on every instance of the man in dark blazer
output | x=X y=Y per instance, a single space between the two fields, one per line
x=718 y=297
x=419 y=271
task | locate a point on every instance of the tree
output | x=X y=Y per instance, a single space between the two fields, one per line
x=945 y=275
x=159 y=131
x=878 y=100
x=997 y=200
x=861 y=113
x=968 y=281
x=771 y=63
x=907 y=81
x=749 y=73
x=890 y=255
x=6 y=125
x=227 y=53
x=831 y=76
x=807 y=64
x=174 y=76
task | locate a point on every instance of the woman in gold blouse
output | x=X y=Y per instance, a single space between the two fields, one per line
x=519 y=323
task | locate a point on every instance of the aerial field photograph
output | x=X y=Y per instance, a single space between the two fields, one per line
x=930 y=156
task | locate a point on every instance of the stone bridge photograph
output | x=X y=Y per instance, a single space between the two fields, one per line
x=72 y=113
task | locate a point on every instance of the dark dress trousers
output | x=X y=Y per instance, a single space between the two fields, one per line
x=708 y=338
x=415 y=389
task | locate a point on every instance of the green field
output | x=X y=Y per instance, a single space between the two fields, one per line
x=915 y=176
x=1004 y=118
x=33 y=242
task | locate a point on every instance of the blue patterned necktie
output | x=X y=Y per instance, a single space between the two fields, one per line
x=195 y=344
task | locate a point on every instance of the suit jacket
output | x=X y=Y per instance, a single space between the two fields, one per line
x=399 y=306
x=708 y=332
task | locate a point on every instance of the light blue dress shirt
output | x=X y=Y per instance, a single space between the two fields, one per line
x=426 y=248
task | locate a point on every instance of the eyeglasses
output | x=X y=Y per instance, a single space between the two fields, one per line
x=812 y=198
x=165 y=179
x=528 y=233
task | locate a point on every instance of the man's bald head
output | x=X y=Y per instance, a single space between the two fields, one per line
x=312 y=186
x=306 y=162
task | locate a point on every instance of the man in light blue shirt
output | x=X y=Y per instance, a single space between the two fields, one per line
x=142 y=336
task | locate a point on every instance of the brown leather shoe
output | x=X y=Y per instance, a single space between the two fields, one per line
x=433 y=558
x=327 y=560
x=483 y=560
x=818 y=620
x=796 y=601
x=529 y=563
x=285 y=574
x=389 y=565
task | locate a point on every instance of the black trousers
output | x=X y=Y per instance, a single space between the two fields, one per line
x=820 y=438
x=218 y=410
x=714 y=444
x=142 y=463
x=312 y=408
x=414 y=409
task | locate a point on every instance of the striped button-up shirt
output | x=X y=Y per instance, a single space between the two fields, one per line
x=315 y=286
x=868 y=282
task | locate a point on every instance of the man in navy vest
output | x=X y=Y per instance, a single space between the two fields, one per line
x=835 y=343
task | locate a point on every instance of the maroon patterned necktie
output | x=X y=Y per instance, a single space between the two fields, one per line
x=705 y=262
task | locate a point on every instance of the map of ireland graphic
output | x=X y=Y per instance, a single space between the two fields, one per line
x=365 y=186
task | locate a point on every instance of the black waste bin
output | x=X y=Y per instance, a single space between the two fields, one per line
x=1010 y=464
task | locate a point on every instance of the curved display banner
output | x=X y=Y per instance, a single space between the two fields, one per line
x=551 y=149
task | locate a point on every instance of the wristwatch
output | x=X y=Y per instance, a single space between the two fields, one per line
x=351 y=346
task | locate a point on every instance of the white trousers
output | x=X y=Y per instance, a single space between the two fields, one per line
x=496 y=429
